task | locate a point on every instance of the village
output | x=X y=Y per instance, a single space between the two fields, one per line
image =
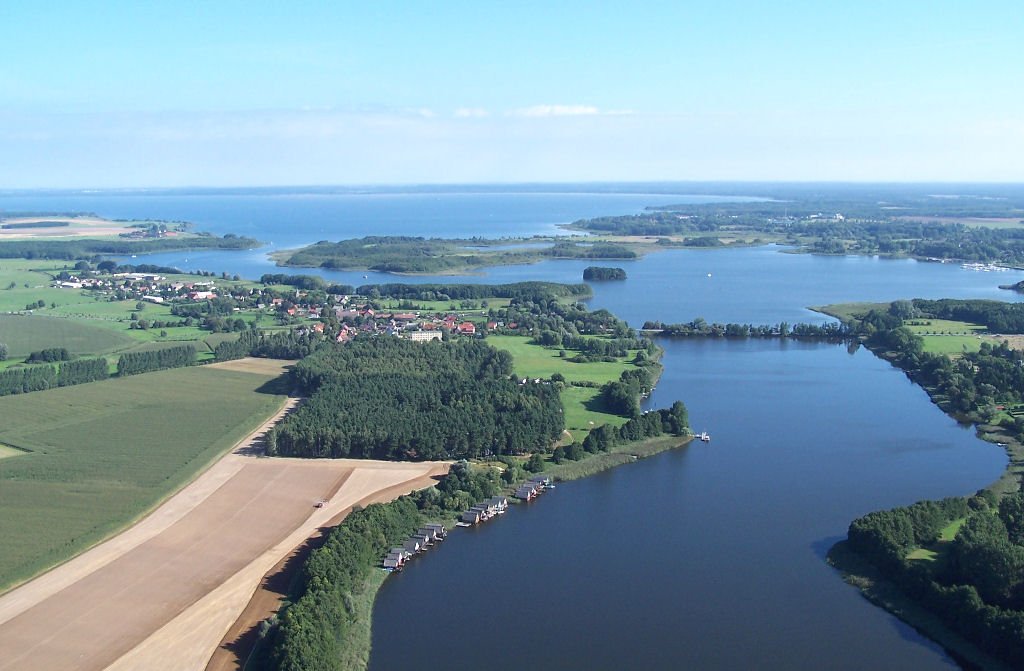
x=229 y=304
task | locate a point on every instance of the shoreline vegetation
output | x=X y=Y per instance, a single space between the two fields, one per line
x=327 y=617
x=953 y=569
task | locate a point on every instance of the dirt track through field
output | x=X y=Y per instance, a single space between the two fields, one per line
x=163 y=594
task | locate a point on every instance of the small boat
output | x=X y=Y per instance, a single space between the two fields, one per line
x=704 y=437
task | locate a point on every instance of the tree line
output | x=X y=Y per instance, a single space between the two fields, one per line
x=23 y=380
x=700 y=328
x=133 y=363
x=443 y=292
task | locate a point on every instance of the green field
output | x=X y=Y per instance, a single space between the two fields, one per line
x=938 y=550
x=582 y=405
x=102 y=454
x=24 y=334
x=943 y=336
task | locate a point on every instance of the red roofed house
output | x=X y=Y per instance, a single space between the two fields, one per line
x=467 y=328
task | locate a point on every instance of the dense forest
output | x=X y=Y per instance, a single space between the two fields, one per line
x=405 y=254
x=390 y=398
x=84 y=248
x=603 y=273
x=977 y=588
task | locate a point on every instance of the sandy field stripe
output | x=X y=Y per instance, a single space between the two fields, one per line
x=238 y=642
x=171 y=511
x=188 y=641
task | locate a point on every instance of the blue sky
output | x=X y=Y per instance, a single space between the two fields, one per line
x=182 y=93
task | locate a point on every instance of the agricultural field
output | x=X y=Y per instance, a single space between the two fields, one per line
x=101 y=454
x=24 y=334
x=582 y=405
x=86 y=323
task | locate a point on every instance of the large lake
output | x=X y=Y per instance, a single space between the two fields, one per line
x=706 y=557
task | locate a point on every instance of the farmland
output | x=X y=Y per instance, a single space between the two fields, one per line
x=24 y=334
x=582 y=405
x=101 y=454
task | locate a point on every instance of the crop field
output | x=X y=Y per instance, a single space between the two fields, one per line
x=24 y=334
x=581 y=405
x=101 y=454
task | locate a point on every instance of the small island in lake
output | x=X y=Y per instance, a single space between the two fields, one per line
x=603 y=273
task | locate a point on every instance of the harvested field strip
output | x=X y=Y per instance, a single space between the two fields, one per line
x=105 y=452
x=8 y=451
x=241 y=638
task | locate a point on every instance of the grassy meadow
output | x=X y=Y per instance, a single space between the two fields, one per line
x=100 y=455
x=944 y=336
x=582 y=405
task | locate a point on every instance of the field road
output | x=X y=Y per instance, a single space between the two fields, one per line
x=163 y=594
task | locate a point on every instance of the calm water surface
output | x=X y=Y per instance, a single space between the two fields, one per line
x=708 y=557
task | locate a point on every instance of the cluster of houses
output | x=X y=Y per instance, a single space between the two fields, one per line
x=140 y=286
x=424 y=538
x=429 y=534
x=533 y=487
x=481 y=512
x=497 y=505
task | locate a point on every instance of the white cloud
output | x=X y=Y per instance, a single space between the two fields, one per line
x=539 y=111
x=470 y=113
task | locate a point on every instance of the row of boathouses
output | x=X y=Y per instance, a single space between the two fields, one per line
x=430 y=534
x=424 y=538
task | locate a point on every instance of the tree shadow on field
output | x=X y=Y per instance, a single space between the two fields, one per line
x=278 y=386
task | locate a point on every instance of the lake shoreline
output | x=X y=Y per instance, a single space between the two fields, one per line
x=886 y=594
